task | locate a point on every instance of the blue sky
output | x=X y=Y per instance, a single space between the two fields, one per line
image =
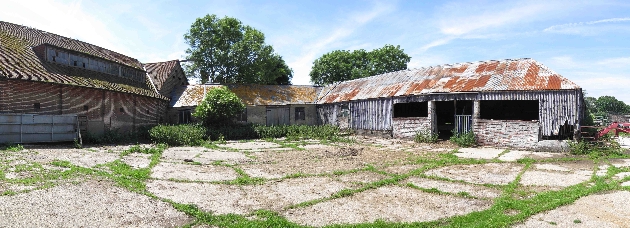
x=585 y=41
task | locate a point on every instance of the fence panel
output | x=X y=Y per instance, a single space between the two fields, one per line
x=32 y=128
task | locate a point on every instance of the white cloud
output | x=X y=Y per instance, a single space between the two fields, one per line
x=65 y=19
x=623 y=62
x=565 y=62
x=590 y=28
x=583 y=28
x=302 y=65
x=492 y=18
x=481 y=21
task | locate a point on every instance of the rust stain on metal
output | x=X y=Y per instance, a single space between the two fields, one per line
x=510 y=74
x=554 y=82
x=451 y=82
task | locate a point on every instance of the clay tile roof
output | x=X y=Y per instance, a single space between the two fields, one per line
x=192 y=95
x=504 y=75
x=160 y=73
x=18 y=60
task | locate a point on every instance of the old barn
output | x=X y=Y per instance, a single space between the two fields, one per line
x=510 y=103
x=47 y=74
x=265 y=104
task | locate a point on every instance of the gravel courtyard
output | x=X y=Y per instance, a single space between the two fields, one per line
x=308 y=183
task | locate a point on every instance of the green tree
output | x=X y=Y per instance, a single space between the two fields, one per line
x=610 y=104
x=219 y=107
x=342 y=65
x=224 y=50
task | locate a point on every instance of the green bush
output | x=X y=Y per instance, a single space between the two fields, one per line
x=467 y=139
x=219 y=107
x=177 y=135
x=298 y=132
x=425 y=136
x=607 y=147
x=116 y=136
x=232 y=132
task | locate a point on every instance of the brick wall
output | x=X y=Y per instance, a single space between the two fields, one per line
x=408 y=126
x=507 y=133
x=101 y=107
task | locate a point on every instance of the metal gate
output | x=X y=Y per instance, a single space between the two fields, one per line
x=278 y=116
x=32 y=128
x=463 y=123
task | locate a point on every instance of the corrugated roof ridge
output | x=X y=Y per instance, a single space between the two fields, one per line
x=80 y=43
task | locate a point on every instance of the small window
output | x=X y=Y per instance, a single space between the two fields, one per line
x=85 y=108
x=412 y=109
x=184 y=116
x=242 y=117
x=37 y=107
x=509 y=109
x=300 y=114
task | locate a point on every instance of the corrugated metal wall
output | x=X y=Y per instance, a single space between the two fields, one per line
x=555 y=108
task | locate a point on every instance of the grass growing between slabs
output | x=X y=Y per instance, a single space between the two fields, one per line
x=508 y=209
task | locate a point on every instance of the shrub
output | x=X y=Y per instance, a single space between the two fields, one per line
x=177 y=135
x=232 y=132
x=607 y=147
x=115 y=136
x=219 y=107
x=297 y=132
x=467 y=139
x=425 y=136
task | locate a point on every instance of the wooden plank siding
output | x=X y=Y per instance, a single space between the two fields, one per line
x=556 y=108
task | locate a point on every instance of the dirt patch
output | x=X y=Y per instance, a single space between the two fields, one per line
x=490 y=173
x=514 y=155
x=79 y=157
x=394 y=204
x=362 y=177
x=606 y=210
x=318 y=161
x=401 y=169
x=217 y=198
x=478 y=153
x=558 y=174
x=253 y=145
x=620 y=162
x=224 y=199
x=455 y=188
x=166 y=170
x=277 y=195
x=558 y=179
x=88 y=204
x=137 y=161
x=203 y=155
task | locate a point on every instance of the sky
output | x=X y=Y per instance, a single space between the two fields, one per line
x=584 y=41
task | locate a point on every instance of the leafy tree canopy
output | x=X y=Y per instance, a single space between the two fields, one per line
x=219 y=107
x=610 y=104
x=224 y=50
x=342 y=65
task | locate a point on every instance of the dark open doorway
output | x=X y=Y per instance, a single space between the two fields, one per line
x=445 y=114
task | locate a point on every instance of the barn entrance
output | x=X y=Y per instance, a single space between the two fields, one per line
x=451 y=115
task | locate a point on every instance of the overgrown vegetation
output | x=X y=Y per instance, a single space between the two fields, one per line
x=606 y=148
x=425 y=136
x=299 y=132
x=176 y=135
x=467 y=139
x=196 y=134
x=219 y=107
x=116 y=136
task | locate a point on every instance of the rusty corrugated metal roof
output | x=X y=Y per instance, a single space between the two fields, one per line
x=192 y=95
x=504 y=75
